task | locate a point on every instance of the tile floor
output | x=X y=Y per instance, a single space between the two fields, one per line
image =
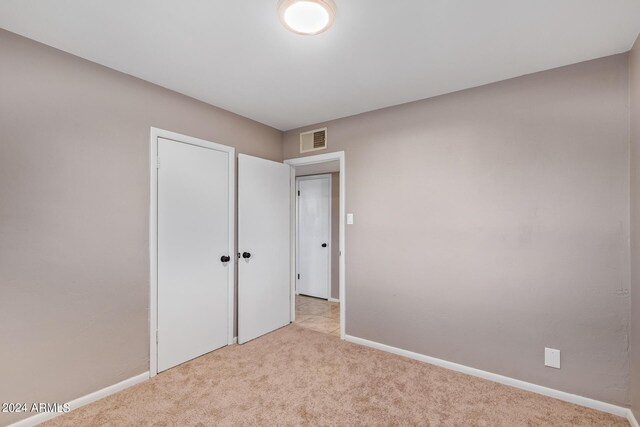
x=318 y=314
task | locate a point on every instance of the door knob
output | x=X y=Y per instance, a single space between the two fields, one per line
x=324 y=245
x=225 y=258
x=246 y=255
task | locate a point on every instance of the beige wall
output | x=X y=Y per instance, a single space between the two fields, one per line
x=74 y=200
x=493 y=222
x=634 y=81
x=335 y=235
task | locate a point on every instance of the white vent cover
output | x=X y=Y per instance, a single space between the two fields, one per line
x=313 y=140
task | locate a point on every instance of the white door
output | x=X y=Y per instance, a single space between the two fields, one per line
x=314 y=236
x=193 y=235
x=264 y=246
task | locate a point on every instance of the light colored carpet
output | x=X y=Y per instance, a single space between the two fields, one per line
x=296 y=376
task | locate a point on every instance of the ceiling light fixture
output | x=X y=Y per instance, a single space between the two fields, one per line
x=307 y=17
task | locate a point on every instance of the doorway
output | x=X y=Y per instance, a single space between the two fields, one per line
x=334 y=306
x=314 y=237
x=192 y=237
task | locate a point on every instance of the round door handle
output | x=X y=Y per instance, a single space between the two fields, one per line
x=225 y=258
x=246 y=255
x=324 y=245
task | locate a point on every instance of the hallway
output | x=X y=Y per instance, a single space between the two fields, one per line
x=318 y=315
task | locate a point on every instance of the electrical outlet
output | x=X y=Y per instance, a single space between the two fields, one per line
x=552 y=358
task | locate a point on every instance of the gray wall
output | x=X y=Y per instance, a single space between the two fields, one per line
x=335 y=235
x=493 y=222
x=74 y=200
x=634 y=82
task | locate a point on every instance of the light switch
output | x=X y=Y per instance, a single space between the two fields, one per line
x=552 y=358
x=349 y=218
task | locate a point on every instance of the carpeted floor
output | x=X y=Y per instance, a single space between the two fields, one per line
x=296 y=376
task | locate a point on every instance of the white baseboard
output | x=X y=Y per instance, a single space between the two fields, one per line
x=333 y=299
x=561 y=395
x=557 y=394
x=84 y=400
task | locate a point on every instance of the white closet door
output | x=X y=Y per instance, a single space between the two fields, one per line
x=264 y=246
x=193 y=235
x=314 y=236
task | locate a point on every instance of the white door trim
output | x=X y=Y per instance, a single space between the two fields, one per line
x=310 y=160
x=153 y=234
x=307 y=178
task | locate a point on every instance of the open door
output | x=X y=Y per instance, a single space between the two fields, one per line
x=263 y=246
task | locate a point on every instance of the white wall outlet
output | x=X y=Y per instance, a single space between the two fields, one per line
x=349 y=218
x=552 y=358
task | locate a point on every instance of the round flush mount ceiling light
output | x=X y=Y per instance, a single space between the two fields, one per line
x=307 y=17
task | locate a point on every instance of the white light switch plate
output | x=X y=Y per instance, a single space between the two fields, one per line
x=349 y=218
x=552 y=358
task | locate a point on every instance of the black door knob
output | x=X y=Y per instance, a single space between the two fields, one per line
x=225 y=258
x=324 y=245
x=246 y=255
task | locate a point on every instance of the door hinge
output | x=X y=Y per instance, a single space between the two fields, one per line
x=298 y=277
x=158 y=163
x=298 y=192
x=156 y=337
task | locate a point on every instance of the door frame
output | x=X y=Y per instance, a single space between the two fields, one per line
x=153 y=234
x=309 y=178
x=311 y=160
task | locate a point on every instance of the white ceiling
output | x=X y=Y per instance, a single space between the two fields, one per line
x=235 y=54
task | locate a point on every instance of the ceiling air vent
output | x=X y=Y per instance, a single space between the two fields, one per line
x=313 y=140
